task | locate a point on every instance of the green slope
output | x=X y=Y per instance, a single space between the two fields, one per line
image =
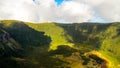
x=57 y=34
x=65 y=41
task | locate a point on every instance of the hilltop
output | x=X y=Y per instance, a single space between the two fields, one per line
x=55 y=45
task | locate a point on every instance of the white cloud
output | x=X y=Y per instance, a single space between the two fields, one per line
x=106 y=9
x=18 y=9
x=75 y=12
x=44 y=10
x=109 y=10
x=47 y=10
x=69 y=11
x=91 y=2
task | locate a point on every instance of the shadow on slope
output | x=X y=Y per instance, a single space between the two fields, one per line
x=25 y=35
x=8 y=46
x=29 y=39
x=85 y=33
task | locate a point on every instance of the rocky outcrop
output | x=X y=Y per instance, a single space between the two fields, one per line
x=4 y=37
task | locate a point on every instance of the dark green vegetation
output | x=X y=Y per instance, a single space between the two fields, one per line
x=52 y=45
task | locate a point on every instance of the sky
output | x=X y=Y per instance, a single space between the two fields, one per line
x=59 y=2
x=62 y=11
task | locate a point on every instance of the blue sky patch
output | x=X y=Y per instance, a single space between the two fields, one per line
x=59 y=2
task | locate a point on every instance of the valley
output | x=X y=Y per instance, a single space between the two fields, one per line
x=57 y=45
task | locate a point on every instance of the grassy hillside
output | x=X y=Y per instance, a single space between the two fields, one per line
x=53 y=45
x=57 y=34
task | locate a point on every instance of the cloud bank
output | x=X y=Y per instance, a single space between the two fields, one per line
x=68 y=11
